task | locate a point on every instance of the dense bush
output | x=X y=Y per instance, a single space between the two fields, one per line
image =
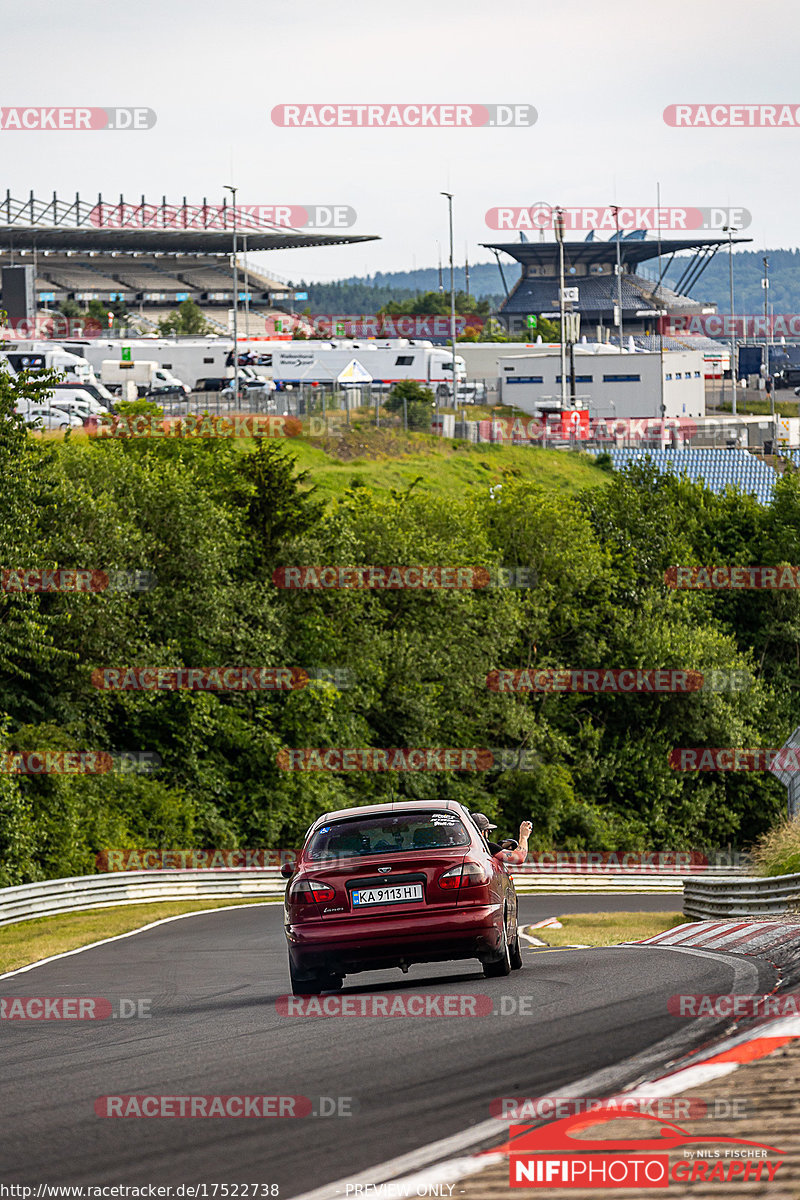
x=213 y=522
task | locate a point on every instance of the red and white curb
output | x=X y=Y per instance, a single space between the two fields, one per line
x=739 y=937
x=441 y=1164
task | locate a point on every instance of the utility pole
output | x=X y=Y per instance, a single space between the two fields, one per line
x=660 y=314
x=558 y=225
x=233 y=191
x=449 y=196
x=619 y=276
x=246 y=293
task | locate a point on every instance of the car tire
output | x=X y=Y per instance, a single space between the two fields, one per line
x=515 y=954
x=313 y=987
x=502 y=965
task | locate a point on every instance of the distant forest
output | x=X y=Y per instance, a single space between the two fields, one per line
x=369 y=293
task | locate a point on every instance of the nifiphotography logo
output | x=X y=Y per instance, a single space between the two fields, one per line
x=558 y=1155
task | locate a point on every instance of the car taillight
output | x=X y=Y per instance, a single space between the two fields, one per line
x=467 y=875
x=308 y=891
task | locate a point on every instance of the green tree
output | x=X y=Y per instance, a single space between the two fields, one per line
x=417 y=402
x=186 y=320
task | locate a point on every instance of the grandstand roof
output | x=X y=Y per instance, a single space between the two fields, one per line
x=164 y=241
x=632 y=251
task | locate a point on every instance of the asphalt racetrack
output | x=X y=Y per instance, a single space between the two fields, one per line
x=213 y=980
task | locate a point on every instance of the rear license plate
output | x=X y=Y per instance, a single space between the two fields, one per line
x=399 y=894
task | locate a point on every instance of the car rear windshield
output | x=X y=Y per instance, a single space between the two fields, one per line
x=388 y=834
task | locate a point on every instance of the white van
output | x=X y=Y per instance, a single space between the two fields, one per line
x=97 y=390
x=69 y=397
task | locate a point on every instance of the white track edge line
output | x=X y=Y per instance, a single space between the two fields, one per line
x=200 y=912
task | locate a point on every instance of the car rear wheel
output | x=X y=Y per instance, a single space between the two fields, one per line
x=515 y=954
x=501 y=965
x=313 y=987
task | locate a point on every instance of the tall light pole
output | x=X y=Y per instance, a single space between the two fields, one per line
x=731 y=230
x=558 y=226
x=660 y=316
x=619 y=276
x=452 y=296
x=229 y=188
x=767 y=338
x=246 y=293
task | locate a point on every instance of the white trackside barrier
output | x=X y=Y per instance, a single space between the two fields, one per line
x=736 y=896
x=54 y=896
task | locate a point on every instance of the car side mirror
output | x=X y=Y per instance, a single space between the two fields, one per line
x=287 y=869
x=510 y=844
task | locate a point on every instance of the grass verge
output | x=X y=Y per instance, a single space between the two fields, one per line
x=30 y=941
x=607 y=928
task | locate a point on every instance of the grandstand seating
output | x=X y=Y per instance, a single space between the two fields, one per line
x=207 y=279
x=79 y=278
x=717 y=468
x=147 y=279
x=598 y=293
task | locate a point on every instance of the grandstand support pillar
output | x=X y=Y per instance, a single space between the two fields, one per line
x=730 y=230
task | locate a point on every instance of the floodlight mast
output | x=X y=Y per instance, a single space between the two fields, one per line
x=558 y=225
x=233 y=190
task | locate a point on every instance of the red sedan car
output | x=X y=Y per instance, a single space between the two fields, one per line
x=386 y=885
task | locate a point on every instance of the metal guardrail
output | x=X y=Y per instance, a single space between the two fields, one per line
x=51 y=897
x=733 y=896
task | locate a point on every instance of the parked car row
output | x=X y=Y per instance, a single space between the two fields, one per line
x=66 y=407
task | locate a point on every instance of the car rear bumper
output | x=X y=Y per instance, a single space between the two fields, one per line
x=347 y=945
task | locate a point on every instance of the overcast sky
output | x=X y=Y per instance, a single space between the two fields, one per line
x=599 y=76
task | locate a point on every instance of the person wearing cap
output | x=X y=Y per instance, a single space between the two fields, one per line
x=505 y=852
